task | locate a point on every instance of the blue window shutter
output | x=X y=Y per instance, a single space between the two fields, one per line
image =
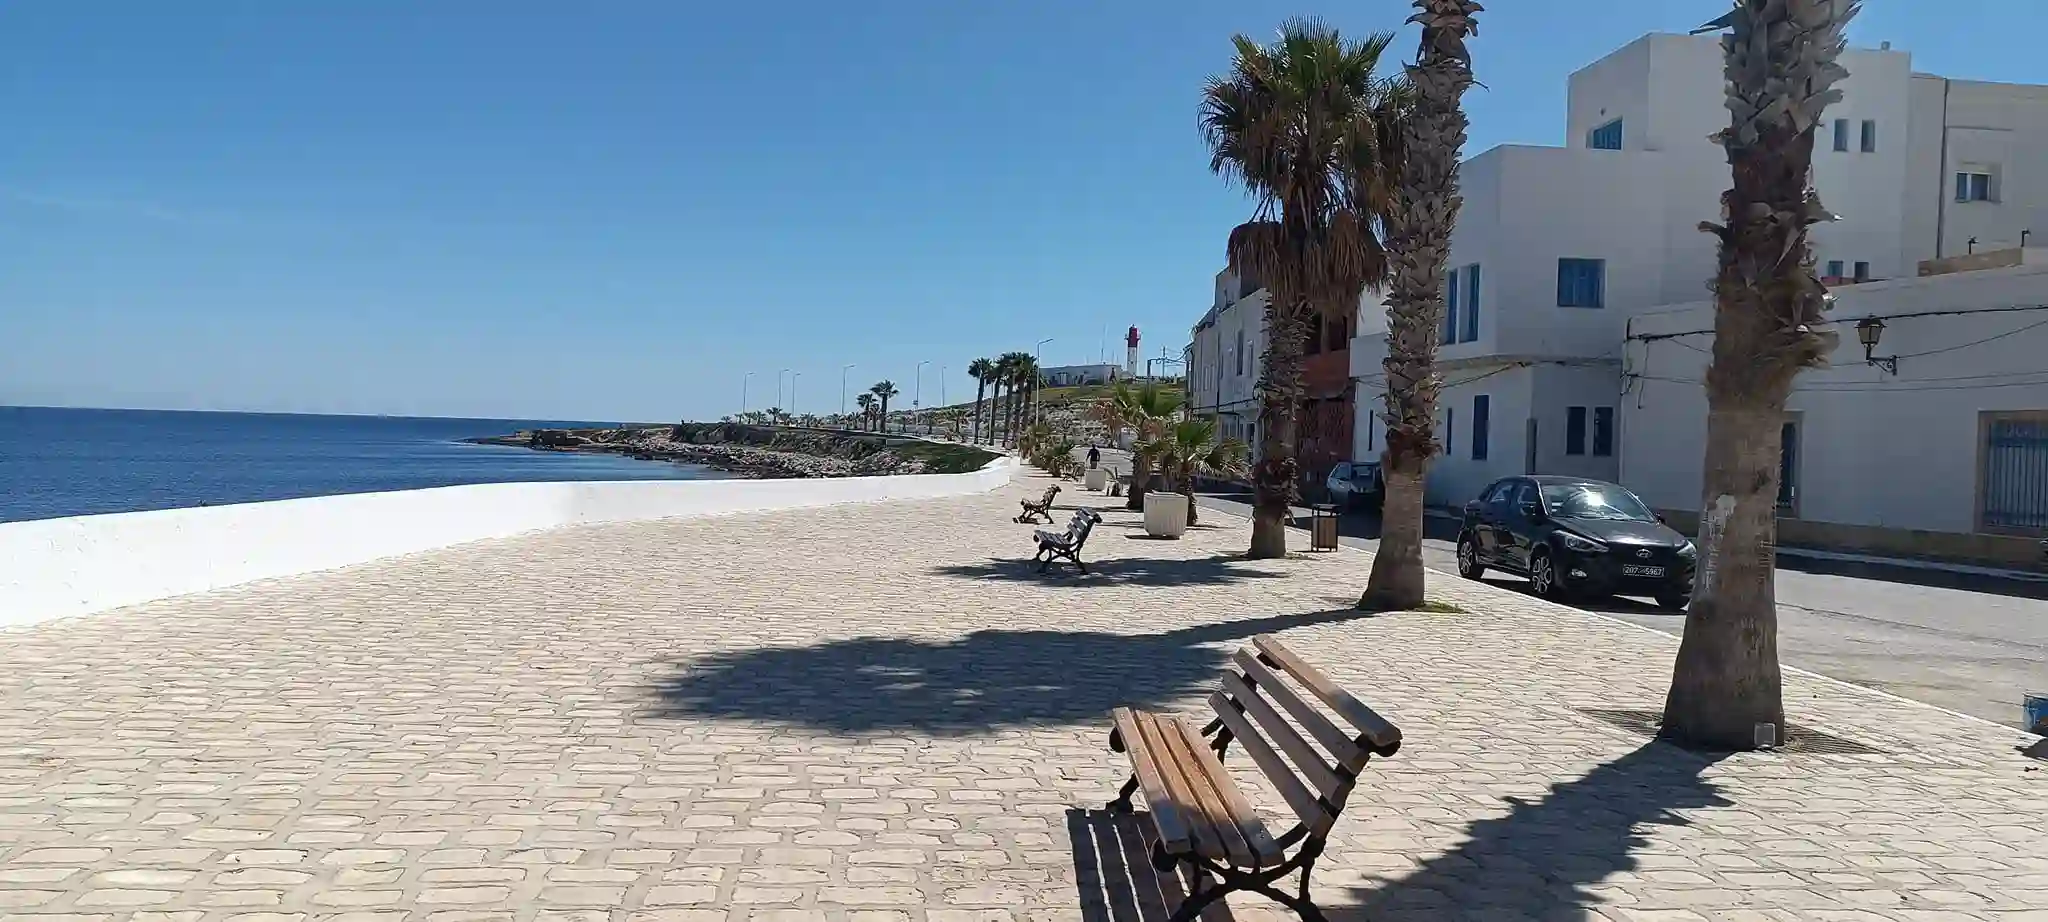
x=1450 y=334
x=1575 y=430
x=1841 y=134
x=1834 y=268
x=1603 y=432
x=1564 y=283
x=1869 y=136
x=1481 y=416
x=1471 y=302
x=1962 y=187
x=1450 y=429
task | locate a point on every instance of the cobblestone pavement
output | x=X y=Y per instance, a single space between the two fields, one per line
x=879 y=713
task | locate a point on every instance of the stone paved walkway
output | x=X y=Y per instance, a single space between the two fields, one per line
x=878 y=713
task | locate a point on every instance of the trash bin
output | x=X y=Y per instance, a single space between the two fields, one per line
x=1322 y=527
x=2037 y=712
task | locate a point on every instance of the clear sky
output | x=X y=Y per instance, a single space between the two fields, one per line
x=614 y=210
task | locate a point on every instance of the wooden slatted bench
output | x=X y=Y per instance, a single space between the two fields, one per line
x=1054 y=546
x=1043 y=507
x=1201 y=818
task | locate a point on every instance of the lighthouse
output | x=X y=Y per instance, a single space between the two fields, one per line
x=1131 y=356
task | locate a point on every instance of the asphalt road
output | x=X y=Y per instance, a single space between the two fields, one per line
x=1973 y=644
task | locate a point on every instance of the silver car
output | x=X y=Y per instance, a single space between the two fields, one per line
x=1356 y=485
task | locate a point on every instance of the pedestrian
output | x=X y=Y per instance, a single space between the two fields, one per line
x=1094 y=456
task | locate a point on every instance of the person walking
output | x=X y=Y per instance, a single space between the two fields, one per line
x=1094 y=456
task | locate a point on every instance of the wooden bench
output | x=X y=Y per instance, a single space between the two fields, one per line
x=1201 y=818
x=1043 y=507
x=1066 y=545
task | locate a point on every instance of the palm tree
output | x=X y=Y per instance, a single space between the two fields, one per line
x=866 y=401
x=1191 y=447
x=883 y=391
x=1024 y=376
x=1782 y=68
x=1146 y=411
x=1299 y=124
x=1006 y=366
x=774 y=416
x=981 y=370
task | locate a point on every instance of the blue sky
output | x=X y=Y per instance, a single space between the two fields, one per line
x=613 y=211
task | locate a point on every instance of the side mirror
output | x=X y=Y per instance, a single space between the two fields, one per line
x=1533 y=511
x=1660 y=518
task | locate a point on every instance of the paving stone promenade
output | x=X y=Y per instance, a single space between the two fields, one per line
x=879 y=713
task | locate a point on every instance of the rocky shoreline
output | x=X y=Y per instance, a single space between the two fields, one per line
x=757 y=451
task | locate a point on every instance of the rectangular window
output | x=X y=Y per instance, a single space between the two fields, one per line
x=1973 y=187
x=1603 y=432
x=1450 y=333
x=1240 y=352
x=1370 y=422
x=1605 y=137
x=1842 y=134
x=1581 y=283
x=1834 y=268
x=1869 y=136
x=1471 y=303
x=1450 y=429
x=1862 y=272
x=1575 y=430
x=1482 y=411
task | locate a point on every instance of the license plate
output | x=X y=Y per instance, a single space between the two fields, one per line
x=1633 y=570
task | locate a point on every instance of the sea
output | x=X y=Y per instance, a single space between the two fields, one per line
x=63 y=462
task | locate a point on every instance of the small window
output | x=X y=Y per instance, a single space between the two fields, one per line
x=1834 y=268
x=1450 y=332
x=1842 y=135
x=1482 y=410
x=1575 y=430
x=1450 y=429
x=1869 y=142
x=1973 y=187
x=1581 y=283
x=1471 y=303
x=1371 y=423
x=1862 y=272
x=1240 y=352
x=1603 y=432
x=1605 y=137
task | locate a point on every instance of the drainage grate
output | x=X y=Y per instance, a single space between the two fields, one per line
x=1797 y=738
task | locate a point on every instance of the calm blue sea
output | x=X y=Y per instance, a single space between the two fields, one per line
x=58 y=462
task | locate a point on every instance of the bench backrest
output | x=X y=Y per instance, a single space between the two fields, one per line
x=1083 y=523
x=1319 y=768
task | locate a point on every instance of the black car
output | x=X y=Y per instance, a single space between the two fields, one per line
x=1573 y=536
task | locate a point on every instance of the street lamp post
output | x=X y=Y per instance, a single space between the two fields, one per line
x=1036 y=404
x=917 y=393
x=743 y=392
x=792 y=392
x=842 y=386
x=778 y=389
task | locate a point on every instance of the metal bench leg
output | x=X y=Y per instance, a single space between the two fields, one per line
x=1122 y=803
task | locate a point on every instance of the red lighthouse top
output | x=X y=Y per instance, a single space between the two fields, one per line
x=1131 y=338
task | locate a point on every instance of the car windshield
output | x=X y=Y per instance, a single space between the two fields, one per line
x=1594 y=501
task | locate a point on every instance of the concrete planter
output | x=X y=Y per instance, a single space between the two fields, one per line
x=1097 y=479
x=1166 y=514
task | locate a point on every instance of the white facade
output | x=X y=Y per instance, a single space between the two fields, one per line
x=1870 y=448
x=1224 y=358
x=1075 y=375
x=1609 y=224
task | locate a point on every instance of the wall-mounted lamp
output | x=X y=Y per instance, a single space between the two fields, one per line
x=1972 y=245
x=2023 y=238
x=1869 y=331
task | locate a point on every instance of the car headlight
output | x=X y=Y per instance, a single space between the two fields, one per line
x=1573 y=542
x=1688 y=550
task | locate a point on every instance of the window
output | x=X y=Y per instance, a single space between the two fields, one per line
x=1581 y=282
x=1842 y=134
x=1869 y=136
x=1973 y=187
x=1834 y=268
x=1450 y=429
x=1605 y=137
x=1240 y=352
x=1862 y=272
x=1450 y=308
x=1482 y=409
x=1603 y=432
x=1471 y=303
x=1575 y=430
x=1370 y=424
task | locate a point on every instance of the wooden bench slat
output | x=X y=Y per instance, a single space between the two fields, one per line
x=1339 y=744
x=1305 y=805
x=1373 y=727
x=1225 y=836
x=1166 y=815
x=1180 y=788
x=1311 y=764
x=1264 y=851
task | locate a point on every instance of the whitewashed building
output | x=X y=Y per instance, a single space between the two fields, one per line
x=1558 y=248
x=1223 y=357
x=1077 y=375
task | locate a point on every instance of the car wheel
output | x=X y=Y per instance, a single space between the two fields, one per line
x=1672 y=601
x=1468 y=559
x=1543 y=577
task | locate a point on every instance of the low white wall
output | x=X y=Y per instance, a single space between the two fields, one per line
x=54 y=568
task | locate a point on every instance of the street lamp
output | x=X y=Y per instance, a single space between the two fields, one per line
x=1037 y=402
x=843 y=369
x=792 y=392
x=743 y=392
x=1869 y=331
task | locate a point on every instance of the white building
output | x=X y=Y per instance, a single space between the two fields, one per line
x=1557 y=248
x=1076 y=375
x=1224 y=356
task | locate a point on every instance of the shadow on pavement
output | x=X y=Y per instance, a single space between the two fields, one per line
x=1122 y=571
x=986 y=679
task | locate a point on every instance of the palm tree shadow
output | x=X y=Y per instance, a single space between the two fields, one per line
x=1218 y=570
x=987 y=679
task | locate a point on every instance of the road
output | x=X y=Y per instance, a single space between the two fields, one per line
x=1973 y=644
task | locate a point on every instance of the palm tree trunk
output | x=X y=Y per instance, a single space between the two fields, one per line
x=980 y=387
x=1425 y=214
x=1187 y=489
x=1141 y=478
x=1781 y=67
x=1280 y=390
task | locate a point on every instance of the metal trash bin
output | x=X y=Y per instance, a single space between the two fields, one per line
x=2037 y=712
x=1322 y=527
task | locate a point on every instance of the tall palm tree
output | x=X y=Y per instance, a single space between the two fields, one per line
x=981 y=370
x=1297 y=123
x=866 y=401
x=1006 y=366
x=1023 y=377
x=1191 y=447
x=1000 y=375
x=883 y=391
x=1781 y=62
x=1423 y=215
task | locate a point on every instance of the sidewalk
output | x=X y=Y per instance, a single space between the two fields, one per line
x=880 y=712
